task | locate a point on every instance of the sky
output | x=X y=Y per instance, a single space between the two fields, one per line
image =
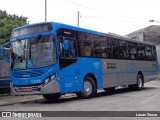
x=107 y=16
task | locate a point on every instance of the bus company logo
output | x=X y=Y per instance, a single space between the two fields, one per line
x=111 y=66
x=132 y=66
x=6 y=114
x=29 y=64
x=96 y=65
x=105 y=65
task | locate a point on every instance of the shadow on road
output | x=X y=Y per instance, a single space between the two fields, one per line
x=123 y=90
x=101 y=93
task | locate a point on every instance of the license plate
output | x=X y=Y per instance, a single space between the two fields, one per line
x=26 y=89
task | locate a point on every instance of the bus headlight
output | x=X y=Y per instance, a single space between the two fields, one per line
x=49 y=79
x=53 y=76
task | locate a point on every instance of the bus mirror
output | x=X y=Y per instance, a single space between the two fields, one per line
x=66 y=45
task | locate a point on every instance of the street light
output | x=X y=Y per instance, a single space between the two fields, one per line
x=78 y=16
x=154 y=21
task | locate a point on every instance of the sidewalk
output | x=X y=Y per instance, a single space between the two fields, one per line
x=8 y=99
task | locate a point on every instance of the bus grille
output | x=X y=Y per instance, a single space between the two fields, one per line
x=27 y=74
x=33 y=89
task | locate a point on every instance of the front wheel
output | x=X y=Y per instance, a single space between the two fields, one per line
x=52 y=97
x=89 y=89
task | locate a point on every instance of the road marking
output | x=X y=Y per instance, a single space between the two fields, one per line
x=149 y=99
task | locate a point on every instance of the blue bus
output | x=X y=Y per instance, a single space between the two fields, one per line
x=4 y=75
x=53 y=59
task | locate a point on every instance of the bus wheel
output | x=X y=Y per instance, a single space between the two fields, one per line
x=89 y=89
x=52 y=97
x=140 y=83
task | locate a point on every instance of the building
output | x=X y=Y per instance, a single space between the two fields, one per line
x=149 y=34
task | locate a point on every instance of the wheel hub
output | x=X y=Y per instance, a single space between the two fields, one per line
x=87 y=87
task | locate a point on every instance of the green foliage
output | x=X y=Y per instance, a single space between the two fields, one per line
x=7 y=23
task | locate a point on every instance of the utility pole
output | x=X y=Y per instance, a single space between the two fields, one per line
x=78 y=16
x=45 y=10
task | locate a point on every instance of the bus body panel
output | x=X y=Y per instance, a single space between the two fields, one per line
x=31 y=76
x=73 y=75
x=124 y=72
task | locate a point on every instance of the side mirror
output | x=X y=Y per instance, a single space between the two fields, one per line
x=66 y=45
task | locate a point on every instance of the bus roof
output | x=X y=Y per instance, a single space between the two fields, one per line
x=61 y=25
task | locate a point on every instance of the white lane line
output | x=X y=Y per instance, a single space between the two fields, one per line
x=149 y=99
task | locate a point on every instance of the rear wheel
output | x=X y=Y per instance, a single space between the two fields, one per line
x=140 y=83
x=89 y=89
x=52 y=97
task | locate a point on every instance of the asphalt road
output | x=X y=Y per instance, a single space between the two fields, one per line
x=123 y=99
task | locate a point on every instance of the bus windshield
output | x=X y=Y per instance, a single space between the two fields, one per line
x=33 y=52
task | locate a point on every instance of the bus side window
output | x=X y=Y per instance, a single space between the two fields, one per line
x=113 y=48
x=72 y=49
x=140 y=52
x=132 y=51
x=148 y=51
x=110 y=49
x=85 y=44
x=123 y=52
x=70 y=52
x=154 y=53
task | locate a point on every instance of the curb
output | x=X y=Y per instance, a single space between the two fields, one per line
x=5 y=94
x=13 y=101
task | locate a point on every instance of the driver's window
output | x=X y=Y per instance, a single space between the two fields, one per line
x=71 y=51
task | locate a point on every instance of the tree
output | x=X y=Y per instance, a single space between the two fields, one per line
x=7 y=23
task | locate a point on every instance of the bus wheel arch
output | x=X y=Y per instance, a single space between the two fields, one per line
x=93 y=77
x=89 y=87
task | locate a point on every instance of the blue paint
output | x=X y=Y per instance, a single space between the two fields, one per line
x=78 y=71
x=29 y=63
x=132 y=66
x=70 y=78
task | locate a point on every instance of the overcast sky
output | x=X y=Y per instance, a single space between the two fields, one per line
x=115 y=16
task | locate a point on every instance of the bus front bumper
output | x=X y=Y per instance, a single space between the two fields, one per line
x=52 y=87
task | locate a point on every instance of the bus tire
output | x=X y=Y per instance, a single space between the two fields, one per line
x=140 y=83
x=89 y=89
x=52 y=97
